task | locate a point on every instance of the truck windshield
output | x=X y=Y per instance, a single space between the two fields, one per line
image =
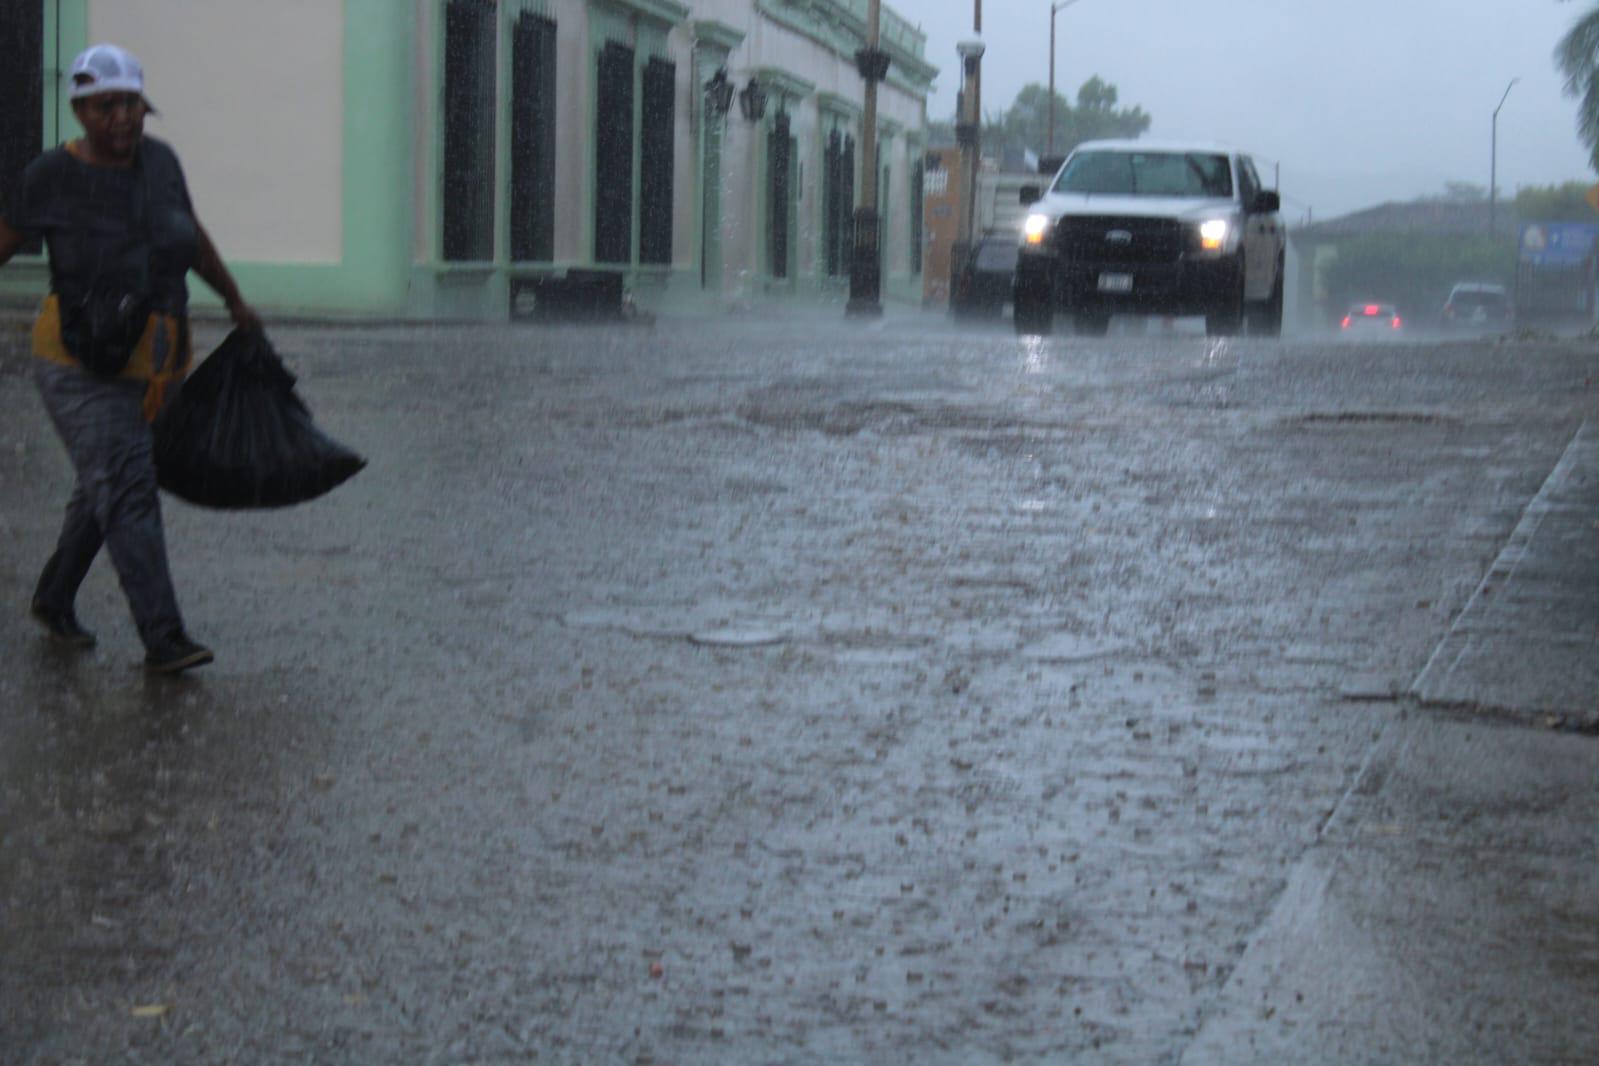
x=1147 y=174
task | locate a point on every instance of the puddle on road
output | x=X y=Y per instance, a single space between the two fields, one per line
x=738 y=637
x=709 y=625
x=1370 y=417
x=1071 y=648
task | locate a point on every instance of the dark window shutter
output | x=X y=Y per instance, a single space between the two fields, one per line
x=778 y=146
x=918 y=185
x=469 y=130
x=846 y=206
x=832 y=190
x=533 y=139
x=656 y=161
x=613 y=156
x=21 y=92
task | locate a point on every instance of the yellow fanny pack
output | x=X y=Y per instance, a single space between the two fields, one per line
x=161 y=357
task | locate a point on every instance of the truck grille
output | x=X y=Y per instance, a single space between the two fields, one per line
x=1112 y=239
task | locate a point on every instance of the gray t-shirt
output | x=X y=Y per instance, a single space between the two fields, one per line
x=130 y=224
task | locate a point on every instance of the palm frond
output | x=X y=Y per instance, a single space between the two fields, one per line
x=1577 y=55
x=1588 y=117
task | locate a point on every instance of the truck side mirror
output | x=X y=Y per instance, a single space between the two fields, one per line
x=1031 y=194
x=1268 y=202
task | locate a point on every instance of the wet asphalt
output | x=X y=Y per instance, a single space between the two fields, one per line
x=788 y=690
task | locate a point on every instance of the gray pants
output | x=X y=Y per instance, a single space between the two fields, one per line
x=101 y=422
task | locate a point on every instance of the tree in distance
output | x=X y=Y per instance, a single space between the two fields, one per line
x=1095 y=116
x=1461 y=192
x=1567 y=202
x=1415 y=269
x=1025 y=124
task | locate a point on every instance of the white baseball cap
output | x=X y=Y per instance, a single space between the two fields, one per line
x=106 y=68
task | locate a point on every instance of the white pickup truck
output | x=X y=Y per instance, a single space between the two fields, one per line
x=1135 y=227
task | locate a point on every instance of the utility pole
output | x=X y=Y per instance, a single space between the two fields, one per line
x=969 y=134
x=866 y=254
x=1493 y=166
x=972 y=70
x=1054 y=9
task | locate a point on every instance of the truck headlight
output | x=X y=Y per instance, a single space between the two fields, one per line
x=1036 y=229
x=1213 y=234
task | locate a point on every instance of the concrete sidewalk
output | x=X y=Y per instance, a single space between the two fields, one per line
x=1527 y=645
x=1450 y=908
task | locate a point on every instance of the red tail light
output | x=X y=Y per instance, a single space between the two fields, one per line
x=1397 y=323
x=1346 y=322
x=1372 y=310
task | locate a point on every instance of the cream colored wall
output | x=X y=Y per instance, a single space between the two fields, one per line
x=741 y=166
x=251 y=95
x=685 y=153
x=768 y=44
x=425 y=199
x=574 y=85
x=807 y=134
x=572 y=242
x=772 y=45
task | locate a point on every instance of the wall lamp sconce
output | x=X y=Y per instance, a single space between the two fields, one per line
x=872 y=63
x=719 y=92
x=752 y=101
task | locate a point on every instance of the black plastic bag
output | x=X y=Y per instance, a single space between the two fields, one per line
x=238 y=437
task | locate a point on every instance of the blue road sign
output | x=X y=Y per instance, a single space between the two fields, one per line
x=1558 y=244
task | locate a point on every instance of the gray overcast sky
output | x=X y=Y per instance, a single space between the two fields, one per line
x=1359 y=101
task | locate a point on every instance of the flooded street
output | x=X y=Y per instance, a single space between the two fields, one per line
x=797 y=691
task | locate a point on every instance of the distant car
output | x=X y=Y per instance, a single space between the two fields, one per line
x=983 y=287
x=1477 y=307
x=1371 y=321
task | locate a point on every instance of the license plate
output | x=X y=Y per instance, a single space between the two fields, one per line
x=1115 y=283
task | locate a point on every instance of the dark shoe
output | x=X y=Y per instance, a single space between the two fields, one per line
x=62 y=625
x=175 y=654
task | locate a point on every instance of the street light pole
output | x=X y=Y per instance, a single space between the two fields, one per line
x=969 y=135
x=1493 y=166
x=866 y=254
x=971 y=53
x=1054 y=9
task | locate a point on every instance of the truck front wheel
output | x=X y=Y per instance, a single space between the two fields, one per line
x=1267 y=319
